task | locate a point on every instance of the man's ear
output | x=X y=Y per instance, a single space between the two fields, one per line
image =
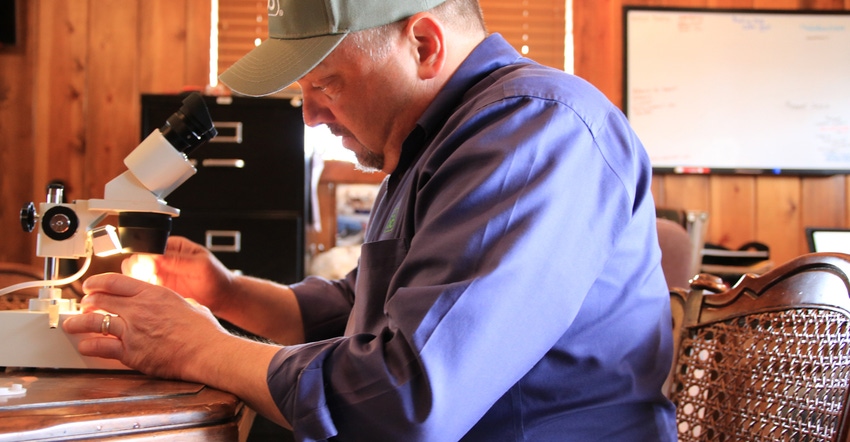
x=428 y=37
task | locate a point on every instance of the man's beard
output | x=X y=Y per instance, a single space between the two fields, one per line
x=369 y=161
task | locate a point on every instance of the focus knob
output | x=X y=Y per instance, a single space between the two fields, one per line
x=28 y=217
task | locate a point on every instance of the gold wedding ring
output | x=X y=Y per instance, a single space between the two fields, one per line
x=104 y=326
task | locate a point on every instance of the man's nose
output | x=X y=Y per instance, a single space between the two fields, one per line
x=314 y=113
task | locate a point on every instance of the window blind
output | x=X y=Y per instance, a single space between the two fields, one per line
x=536 y=28
x=241 y=23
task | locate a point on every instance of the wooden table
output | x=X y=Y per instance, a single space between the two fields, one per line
x=117 y=405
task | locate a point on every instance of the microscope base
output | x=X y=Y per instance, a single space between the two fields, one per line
x=27 y=341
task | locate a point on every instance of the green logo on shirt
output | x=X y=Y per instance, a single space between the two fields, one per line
x=391 y=222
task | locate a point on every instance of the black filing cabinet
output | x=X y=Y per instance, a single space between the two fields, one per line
x=249 y=200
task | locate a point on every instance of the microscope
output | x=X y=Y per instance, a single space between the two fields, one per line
x=156 y=167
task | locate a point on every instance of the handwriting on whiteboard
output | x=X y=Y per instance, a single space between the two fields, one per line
x=833 y=133
x=646 y=100
x=751 y=23
x=690 y=23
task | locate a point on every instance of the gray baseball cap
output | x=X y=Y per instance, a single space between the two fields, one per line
x=303 y=32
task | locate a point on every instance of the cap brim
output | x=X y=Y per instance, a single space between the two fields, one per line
x=277 y=63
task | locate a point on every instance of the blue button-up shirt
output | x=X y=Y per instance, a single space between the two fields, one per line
x=510 y=285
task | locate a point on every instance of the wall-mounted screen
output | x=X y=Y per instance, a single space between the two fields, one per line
x=8 y=23
x=739 y=91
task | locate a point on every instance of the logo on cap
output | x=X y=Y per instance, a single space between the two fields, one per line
x=275 y=10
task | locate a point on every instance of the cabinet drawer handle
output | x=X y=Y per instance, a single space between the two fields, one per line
x=236 y=163
x=233 y=127
x=224 y=240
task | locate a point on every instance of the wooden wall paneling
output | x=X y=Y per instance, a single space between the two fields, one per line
x=824 y=203
x=732 y=214
x=59 y=116
x=174 y=45
x=776 y=4
x=595 y=44
x=162 y=45
x=69 y=94
x=822 y=4
x=847 y=200
x=658 y=192
x=197 y=43
x=685 y=3
x=112 y=129
x=16 y=153
x=729 y=4
x=778 y=219
x=113 y=104
x=686 y=191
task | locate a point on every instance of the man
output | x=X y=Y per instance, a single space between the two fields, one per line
x=510 y=285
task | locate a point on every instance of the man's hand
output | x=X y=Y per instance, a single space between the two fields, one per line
x=190 y=270
x=156 y=331
x=153 y=329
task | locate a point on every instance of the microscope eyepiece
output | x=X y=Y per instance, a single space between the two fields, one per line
x=190 y=126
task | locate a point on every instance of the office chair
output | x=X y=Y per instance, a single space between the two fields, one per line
x=695 y=223
x=676 y=253
x=12 y=273
x=768 y=359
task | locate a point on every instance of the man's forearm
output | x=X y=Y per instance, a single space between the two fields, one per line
x=266 y=309
x=239 y=366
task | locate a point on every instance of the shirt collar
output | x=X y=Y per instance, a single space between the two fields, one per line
x=493 y=53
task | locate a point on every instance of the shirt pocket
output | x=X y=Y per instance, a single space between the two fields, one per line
x=379 y=262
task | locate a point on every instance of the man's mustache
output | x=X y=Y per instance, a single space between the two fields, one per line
x=339 y=131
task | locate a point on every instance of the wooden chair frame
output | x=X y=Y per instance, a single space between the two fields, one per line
x=768 y=359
